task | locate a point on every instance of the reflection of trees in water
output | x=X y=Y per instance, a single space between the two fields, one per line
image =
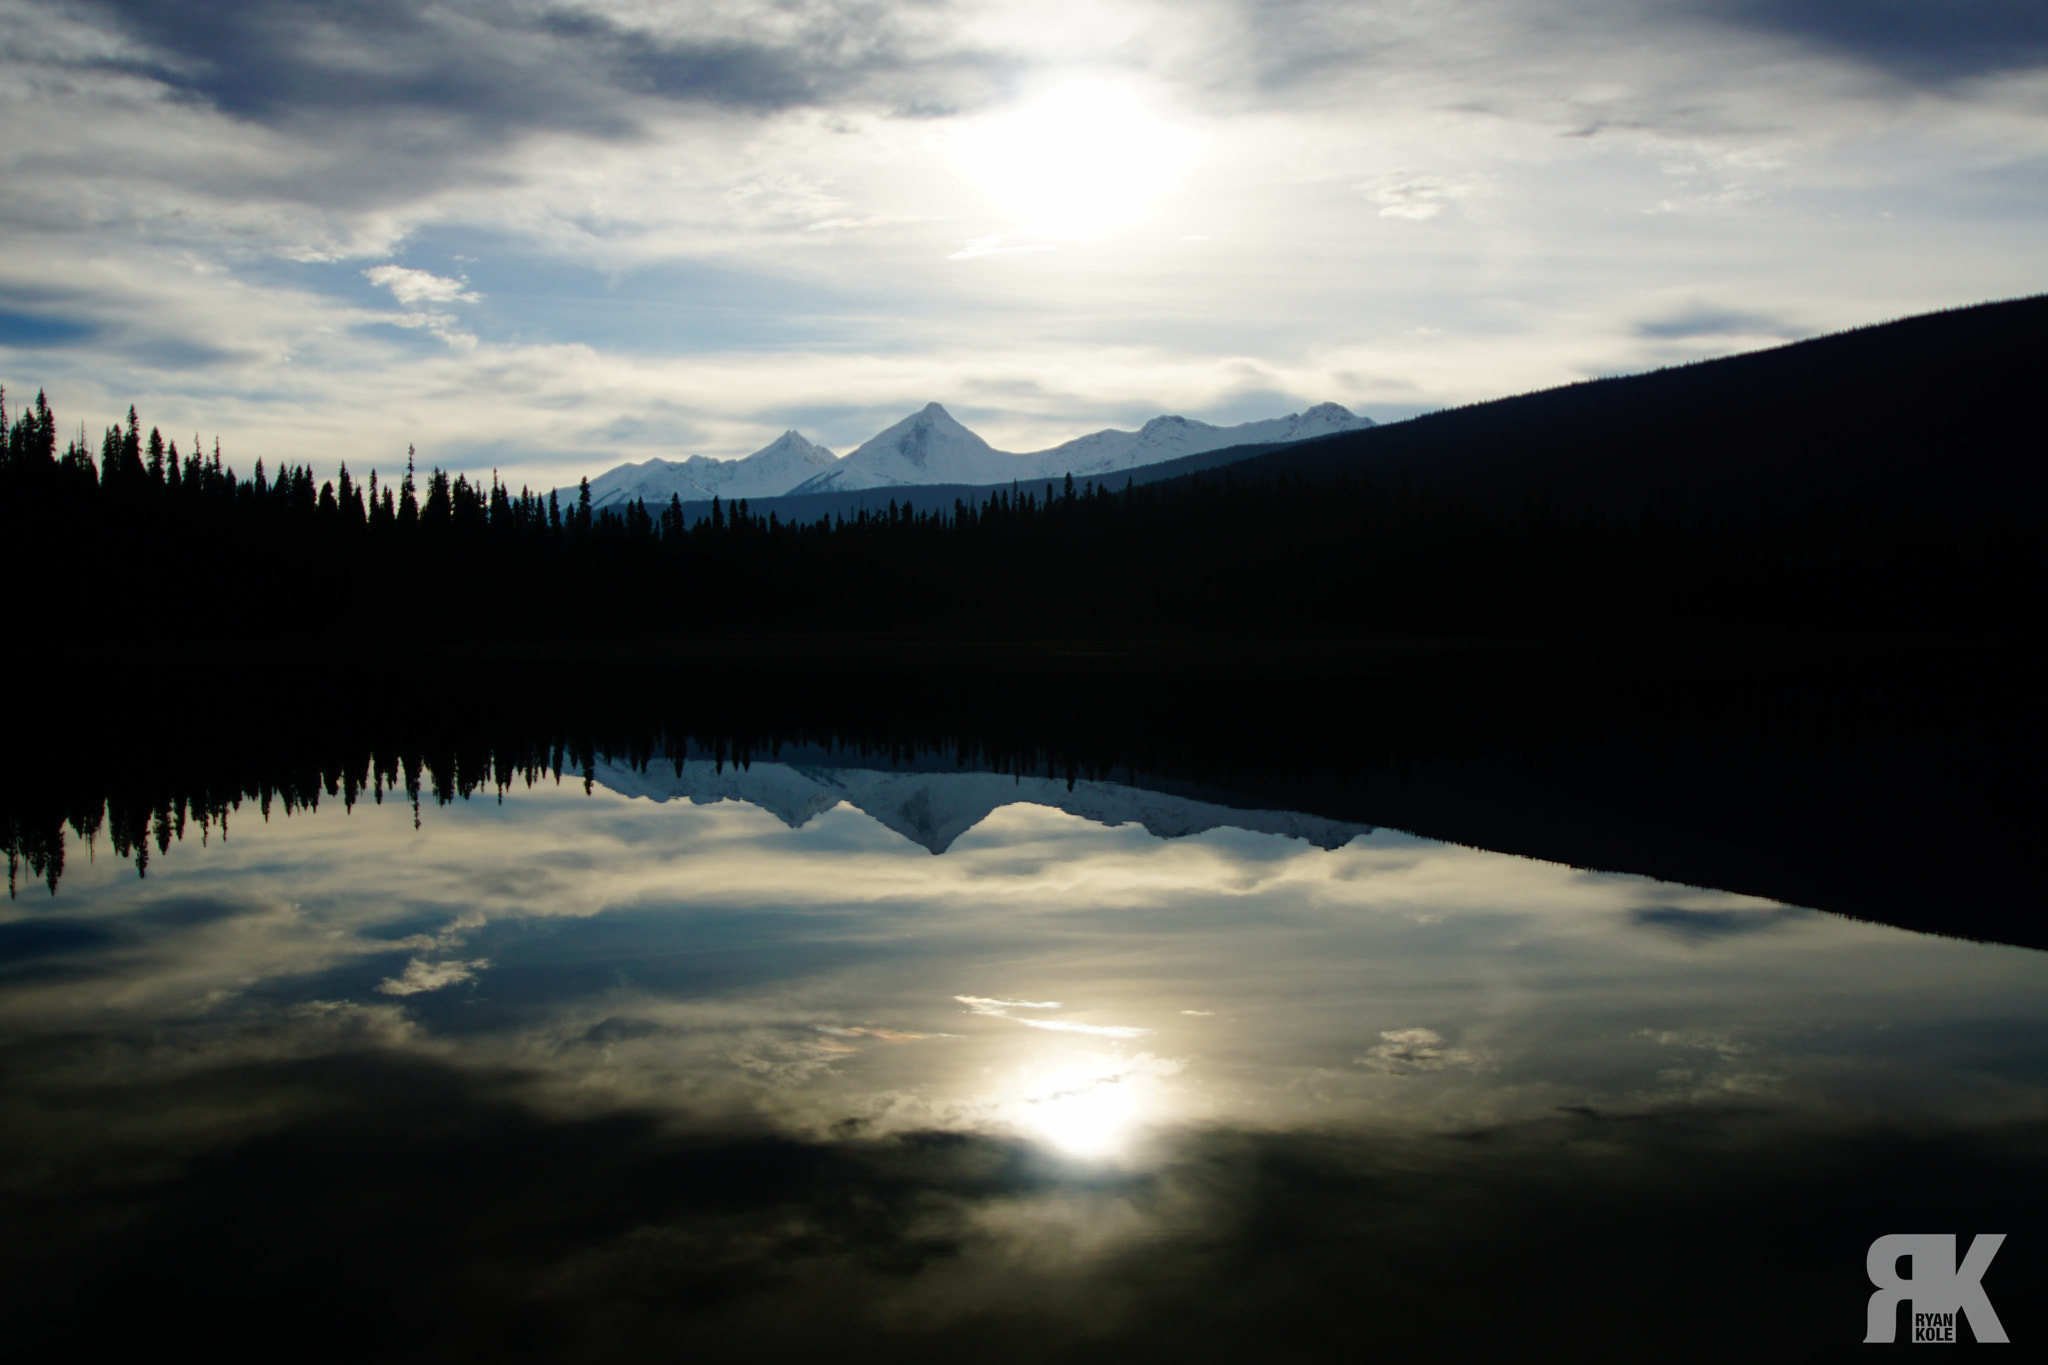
x=157 y=788
x=1847 y=779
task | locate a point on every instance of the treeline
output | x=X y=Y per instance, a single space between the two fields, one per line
x=158 y=782
x=146 y=484
x=142 y=542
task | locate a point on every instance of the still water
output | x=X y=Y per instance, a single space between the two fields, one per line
x=785 y=1059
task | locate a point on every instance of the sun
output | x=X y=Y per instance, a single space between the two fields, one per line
x=1081 y=159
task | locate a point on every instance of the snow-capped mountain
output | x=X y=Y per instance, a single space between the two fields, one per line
x=934 y=809
x=928 y=446
x=775 y=468
x=931 y=447
x=1167 y=438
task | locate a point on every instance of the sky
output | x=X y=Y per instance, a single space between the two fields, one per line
x=546 y=238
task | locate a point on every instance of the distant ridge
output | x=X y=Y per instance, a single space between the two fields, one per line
x=787 y=460
x=930 y=447
x=1928 y=418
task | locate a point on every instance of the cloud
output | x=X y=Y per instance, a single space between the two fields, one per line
x=696 y=224
x=419 y=286
x=1912 y=40
x=484 y=72
x=1706 y=320
x=1418 y=197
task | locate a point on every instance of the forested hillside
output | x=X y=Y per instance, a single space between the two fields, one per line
x=1884 y=480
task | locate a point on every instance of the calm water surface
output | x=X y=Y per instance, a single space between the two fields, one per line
x=789 y=1060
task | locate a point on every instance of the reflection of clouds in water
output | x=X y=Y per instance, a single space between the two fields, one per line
x=723 y=1238
x=1091 y=1106
x=1097 y=1030
x=810 y=953
x=1709 y=925
x=1713 y=1064
x=1001 y=1009
x=884 y=1034
x=1403 y=1050
x=982 y=1004
x=420 y=976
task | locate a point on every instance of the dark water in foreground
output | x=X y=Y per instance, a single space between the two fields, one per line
x=795 y=1059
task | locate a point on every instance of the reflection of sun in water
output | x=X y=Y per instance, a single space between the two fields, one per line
x=1092 y=1106
x=1080 y=159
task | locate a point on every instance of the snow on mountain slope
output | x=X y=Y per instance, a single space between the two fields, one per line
x=935 y=809
x=1167 y=438
x=928 y=446
x=775 y=468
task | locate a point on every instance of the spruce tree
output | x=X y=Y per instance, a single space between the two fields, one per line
x=408 y=499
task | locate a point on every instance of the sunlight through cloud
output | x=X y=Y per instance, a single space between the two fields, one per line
x=1083 y=158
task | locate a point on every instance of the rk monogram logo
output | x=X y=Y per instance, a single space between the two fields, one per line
x=1938 y=1287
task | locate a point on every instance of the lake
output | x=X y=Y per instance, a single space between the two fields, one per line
x=496 y=1046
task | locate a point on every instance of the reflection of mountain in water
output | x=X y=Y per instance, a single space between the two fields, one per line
x=935 y=808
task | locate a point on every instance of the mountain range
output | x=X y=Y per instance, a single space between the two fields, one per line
x=931 y=446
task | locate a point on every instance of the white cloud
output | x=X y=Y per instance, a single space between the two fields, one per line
x=1419 y=197
x=735 y=268
x=419 y=286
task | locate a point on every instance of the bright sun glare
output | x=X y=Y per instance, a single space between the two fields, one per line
x=1078 y=160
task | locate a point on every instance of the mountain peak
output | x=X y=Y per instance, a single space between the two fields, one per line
x=931 y=446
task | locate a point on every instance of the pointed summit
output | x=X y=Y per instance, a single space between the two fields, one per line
x=781 y=464
x=929 y=446
x=774 y=468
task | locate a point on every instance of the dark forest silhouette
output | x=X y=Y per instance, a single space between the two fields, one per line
x=1877 y=480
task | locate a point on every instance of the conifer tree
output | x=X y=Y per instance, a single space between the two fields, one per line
x=408 y=499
